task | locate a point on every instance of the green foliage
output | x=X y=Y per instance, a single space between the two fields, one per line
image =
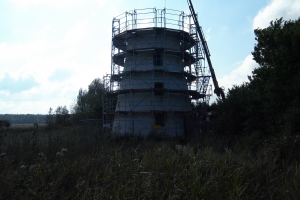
x=89 y=102
x=50 y=118
x=231 y=111
x=62 y=115
x=269 y=103
x=88 y=106
x=278 y=77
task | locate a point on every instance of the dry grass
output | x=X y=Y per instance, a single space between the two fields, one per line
x=97 y=166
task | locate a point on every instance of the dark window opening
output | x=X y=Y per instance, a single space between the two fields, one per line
x=158 y=58
x=159 y=119
x=158 y=88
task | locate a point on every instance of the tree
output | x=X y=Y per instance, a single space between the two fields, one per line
x=234 y=113
x=95 y=92
x=50 y=118
x=81 y=107
x=62 y=115
x=270 y=102
x=278 y=77
x=89 y=102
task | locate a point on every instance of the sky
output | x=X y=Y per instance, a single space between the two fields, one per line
x=49 y=49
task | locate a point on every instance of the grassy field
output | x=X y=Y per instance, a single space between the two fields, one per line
x=24 y=125
x=82 y=163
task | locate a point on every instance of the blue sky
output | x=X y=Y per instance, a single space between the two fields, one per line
x=49 y=49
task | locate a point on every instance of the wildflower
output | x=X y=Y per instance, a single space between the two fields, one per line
x=59 y=154
x=23 y=166
x=64 y=150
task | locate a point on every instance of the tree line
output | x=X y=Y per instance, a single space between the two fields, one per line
x=88 y=105
x=269 y=103
x=23 y=118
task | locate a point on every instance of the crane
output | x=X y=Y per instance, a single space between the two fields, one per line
x=218 y=91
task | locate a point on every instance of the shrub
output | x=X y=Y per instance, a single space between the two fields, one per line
x=4 y=123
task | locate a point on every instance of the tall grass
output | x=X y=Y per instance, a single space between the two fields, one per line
x=99 y=166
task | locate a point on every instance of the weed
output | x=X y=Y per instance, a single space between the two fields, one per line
x=74 y=163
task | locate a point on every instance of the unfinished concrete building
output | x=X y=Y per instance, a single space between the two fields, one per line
x=158 y=74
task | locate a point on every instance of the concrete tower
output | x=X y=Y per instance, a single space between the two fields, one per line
x=156 y=72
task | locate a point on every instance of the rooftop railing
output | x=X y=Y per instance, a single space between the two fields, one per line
x=151 y=17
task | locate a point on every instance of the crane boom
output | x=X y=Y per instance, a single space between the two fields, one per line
x=218 y=91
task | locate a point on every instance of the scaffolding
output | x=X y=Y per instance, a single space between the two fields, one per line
x=158 y=74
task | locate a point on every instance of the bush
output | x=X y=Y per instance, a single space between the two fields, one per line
x=4 y=123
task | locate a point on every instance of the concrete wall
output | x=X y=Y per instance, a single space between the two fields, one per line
x=144 y=61
x=147 y=80
x=142 y=124
x=143 y=41
x=142 y=106
x=145 y=102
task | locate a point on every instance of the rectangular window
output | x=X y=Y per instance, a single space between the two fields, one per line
x=158 y=58
x=159 y=119
x=158 y=89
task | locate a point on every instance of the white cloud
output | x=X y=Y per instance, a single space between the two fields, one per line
x=80 y=54
x=208 y=30
x=238 y=75
x=60 y=74
x=58 y=4
x=288 y=9
x=11 y=85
